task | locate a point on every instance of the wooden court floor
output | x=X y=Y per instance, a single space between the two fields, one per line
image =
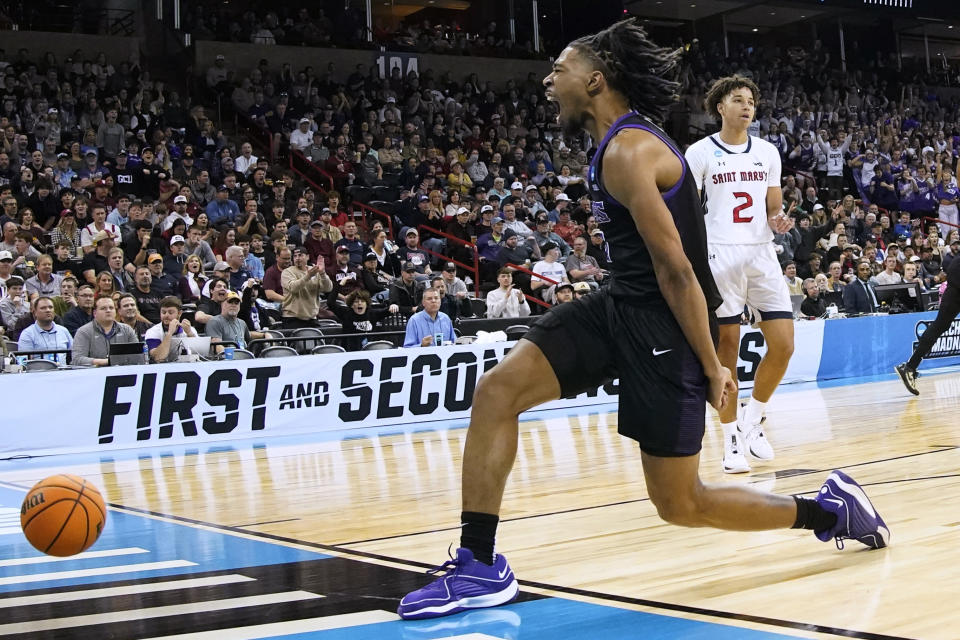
x=577 y=522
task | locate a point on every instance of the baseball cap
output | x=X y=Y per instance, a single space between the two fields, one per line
x=303 y=212
x=302 y=120
x=496 y=220
x=462 y=210
x=409 y=267
x=411 y=232
x=370 y=256
x=101 y=236
x=175 y=239
x=391 y=99
x=817 y=207
x=123 y=152
x=223 y=187
x=547 y=246
x=530 y=187
x=914 y=258
x=485 y=208
x=450 y=267
x=221 y=266
x=596 y=232
x=180 y=199
x=101 y=183
x=516 y=185
x=582 y=286
x=62 y=156
x=220 y=56
x=316 y=223
x=562 y=197
x=423 y=197
x=154 y=257
x=66 y=212
x=90 y=152
x=6 y=255
x=565 y=285
x=231 y=296
x=343 y=249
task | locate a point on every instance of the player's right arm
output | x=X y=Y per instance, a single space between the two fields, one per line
x=636 y=164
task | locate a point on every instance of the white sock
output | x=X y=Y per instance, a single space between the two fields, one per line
x=753 y=412
x=729 y=428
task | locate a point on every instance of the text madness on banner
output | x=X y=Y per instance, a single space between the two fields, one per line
x=947 y=345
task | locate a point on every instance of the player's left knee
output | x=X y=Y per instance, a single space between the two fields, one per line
x=684 y=509
x=784 y=349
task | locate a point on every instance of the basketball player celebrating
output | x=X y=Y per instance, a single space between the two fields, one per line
x=949 y=308
x=650 y=327
x=738 y=176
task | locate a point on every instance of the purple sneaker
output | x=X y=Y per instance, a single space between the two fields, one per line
x=468 y=584
x=856 y=517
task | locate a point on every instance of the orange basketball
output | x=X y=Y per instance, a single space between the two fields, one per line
x=63 y=515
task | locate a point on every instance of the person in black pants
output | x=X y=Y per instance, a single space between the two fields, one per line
x=949 y=308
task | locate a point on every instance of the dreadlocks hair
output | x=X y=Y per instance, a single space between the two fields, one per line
x=722 y=87
x=635 y=66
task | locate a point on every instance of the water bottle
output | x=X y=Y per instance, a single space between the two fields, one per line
x=146 y=354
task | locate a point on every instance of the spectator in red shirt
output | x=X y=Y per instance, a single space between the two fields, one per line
x=317 y=245
x=272 y=281
x=340 y=168
x=567 y=229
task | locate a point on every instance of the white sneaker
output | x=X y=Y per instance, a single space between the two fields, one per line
x=752 y=437
x=756 y=443
x=733 y=459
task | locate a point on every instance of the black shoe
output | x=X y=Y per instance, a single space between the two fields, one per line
x=909 y=377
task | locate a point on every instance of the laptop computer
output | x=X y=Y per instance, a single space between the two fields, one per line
x=833 y=297
x=125 y=353
x=796 y=301
x=199 y=345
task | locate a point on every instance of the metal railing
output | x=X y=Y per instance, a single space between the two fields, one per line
x=310 y=171
x=300 y=164
x=259 y=344
x=474 y=269
x=532 y=275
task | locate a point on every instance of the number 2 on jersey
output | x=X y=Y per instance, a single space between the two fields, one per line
x=746 y=205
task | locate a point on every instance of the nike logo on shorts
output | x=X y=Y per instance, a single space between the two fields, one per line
x=657 y=352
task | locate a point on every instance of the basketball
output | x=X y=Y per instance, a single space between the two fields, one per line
x=63 y=515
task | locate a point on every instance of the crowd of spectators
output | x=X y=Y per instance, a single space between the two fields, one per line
x=113 y=187
x=311 y=26
x=870 y=163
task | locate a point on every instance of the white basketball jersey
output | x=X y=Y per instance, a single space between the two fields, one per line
x=733 y=184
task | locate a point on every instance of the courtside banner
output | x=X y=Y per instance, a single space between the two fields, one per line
x=138 y=406
x=874 y=345
x=804 y=364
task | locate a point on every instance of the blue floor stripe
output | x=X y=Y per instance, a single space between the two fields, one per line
x=547 y=619
x=210 y=550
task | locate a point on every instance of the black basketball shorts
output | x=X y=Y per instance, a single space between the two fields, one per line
x=663 y=390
